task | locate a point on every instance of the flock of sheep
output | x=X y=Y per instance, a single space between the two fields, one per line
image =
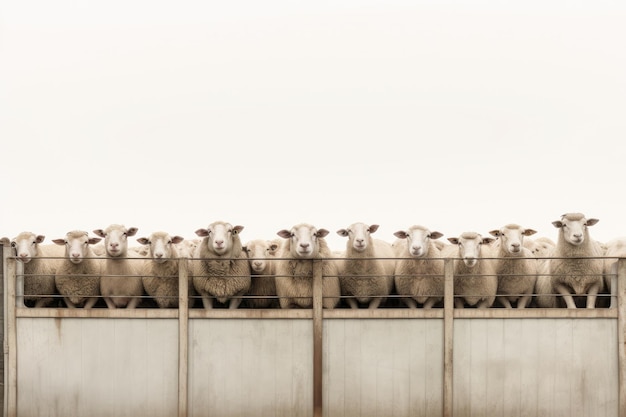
x=506 y=269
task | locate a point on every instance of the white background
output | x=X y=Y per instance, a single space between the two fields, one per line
x=169 y=115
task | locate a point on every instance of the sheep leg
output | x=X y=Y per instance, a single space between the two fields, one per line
x=410 y=303
x=234 y=303
x=430 y=302
x=133 y=303
x=375 y=303
x=567 y=296
x=68 y=303
x=42 y=302
x=592 y=295
x=459 y=303
x=524 y=301
x=207 y=302
x=505 y=302
x=109 y=301
x=352 y=303
x=484 y=304
x=90 y=302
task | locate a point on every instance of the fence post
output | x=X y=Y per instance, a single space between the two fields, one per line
x=621 y=329
x=5 y=347
x=183 y=336
x=448 y=335
x=317 y=338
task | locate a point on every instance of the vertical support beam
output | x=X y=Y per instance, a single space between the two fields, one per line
x=183 y=336
x=317 y=338
x=4 y=254
x=621 y=330
x=448 y=334
x=11 y=336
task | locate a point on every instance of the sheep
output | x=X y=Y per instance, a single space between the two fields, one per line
x=262 y=290
x=38 y=273
x=366 y=272
x=302 y=244
x=571 y=274
x=418 y=273
x=160 y=272
x=475 y=283
x=121 y=283
x=515 y=267
x=615 y=248
x=223 y=270
x=78 y=275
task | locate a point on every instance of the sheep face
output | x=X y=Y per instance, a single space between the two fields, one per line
x=160 y=244
x=25 y=245
x=512 y=237
x=573 y=227
x=418 y=240
x=77 y=245
x=359 y=236
x=116 y=239
x=220 y=236
x=470 y=244
x=303 y=240
x=259 y=251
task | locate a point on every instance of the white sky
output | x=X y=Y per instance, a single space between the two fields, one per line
x=169 y=115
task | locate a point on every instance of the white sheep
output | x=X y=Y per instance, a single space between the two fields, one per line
x=573 y=269
x=160 y=272
x=78 y=275
x=515 y=267
x=262 y=292
x=366 y=272
x=475 y=283
x=615 y=248
x=302 y=244
x=120 y=284
x=419 y=266
x=38 y=272
x=223 y=271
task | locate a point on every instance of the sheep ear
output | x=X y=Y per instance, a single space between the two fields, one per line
x=322 y=233
x=453 y=240
x=94 y=240
x=557 y=223
x=177 y=239
x=284 y=233
x=591 y=222
x=202 y=232
x=5 y=241
x=237 y=229
x=40 y=238
x=373 y=228
x=529 y=232
x=131 y=231
x=342 y=232
x=435 y=235
x=401 y=234
x=487 y=240
x=59 y=241
x=143 y=241
x=100 y=232
x=273 y=248
x=495 y=232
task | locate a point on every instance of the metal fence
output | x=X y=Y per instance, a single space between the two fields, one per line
x=388 y=361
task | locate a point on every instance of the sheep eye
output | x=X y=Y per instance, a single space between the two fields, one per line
x=169 y=242
x=13 y=244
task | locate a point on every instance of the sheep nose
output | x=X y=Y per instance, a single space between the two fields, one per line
x=114 y=245
x=515 y=245
x=158 y=255
x=359 y=241
x=23 y=255
x=578 y=235
x=219 y=242
x=76 y=255
x=304 y=245
x=257 y=263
